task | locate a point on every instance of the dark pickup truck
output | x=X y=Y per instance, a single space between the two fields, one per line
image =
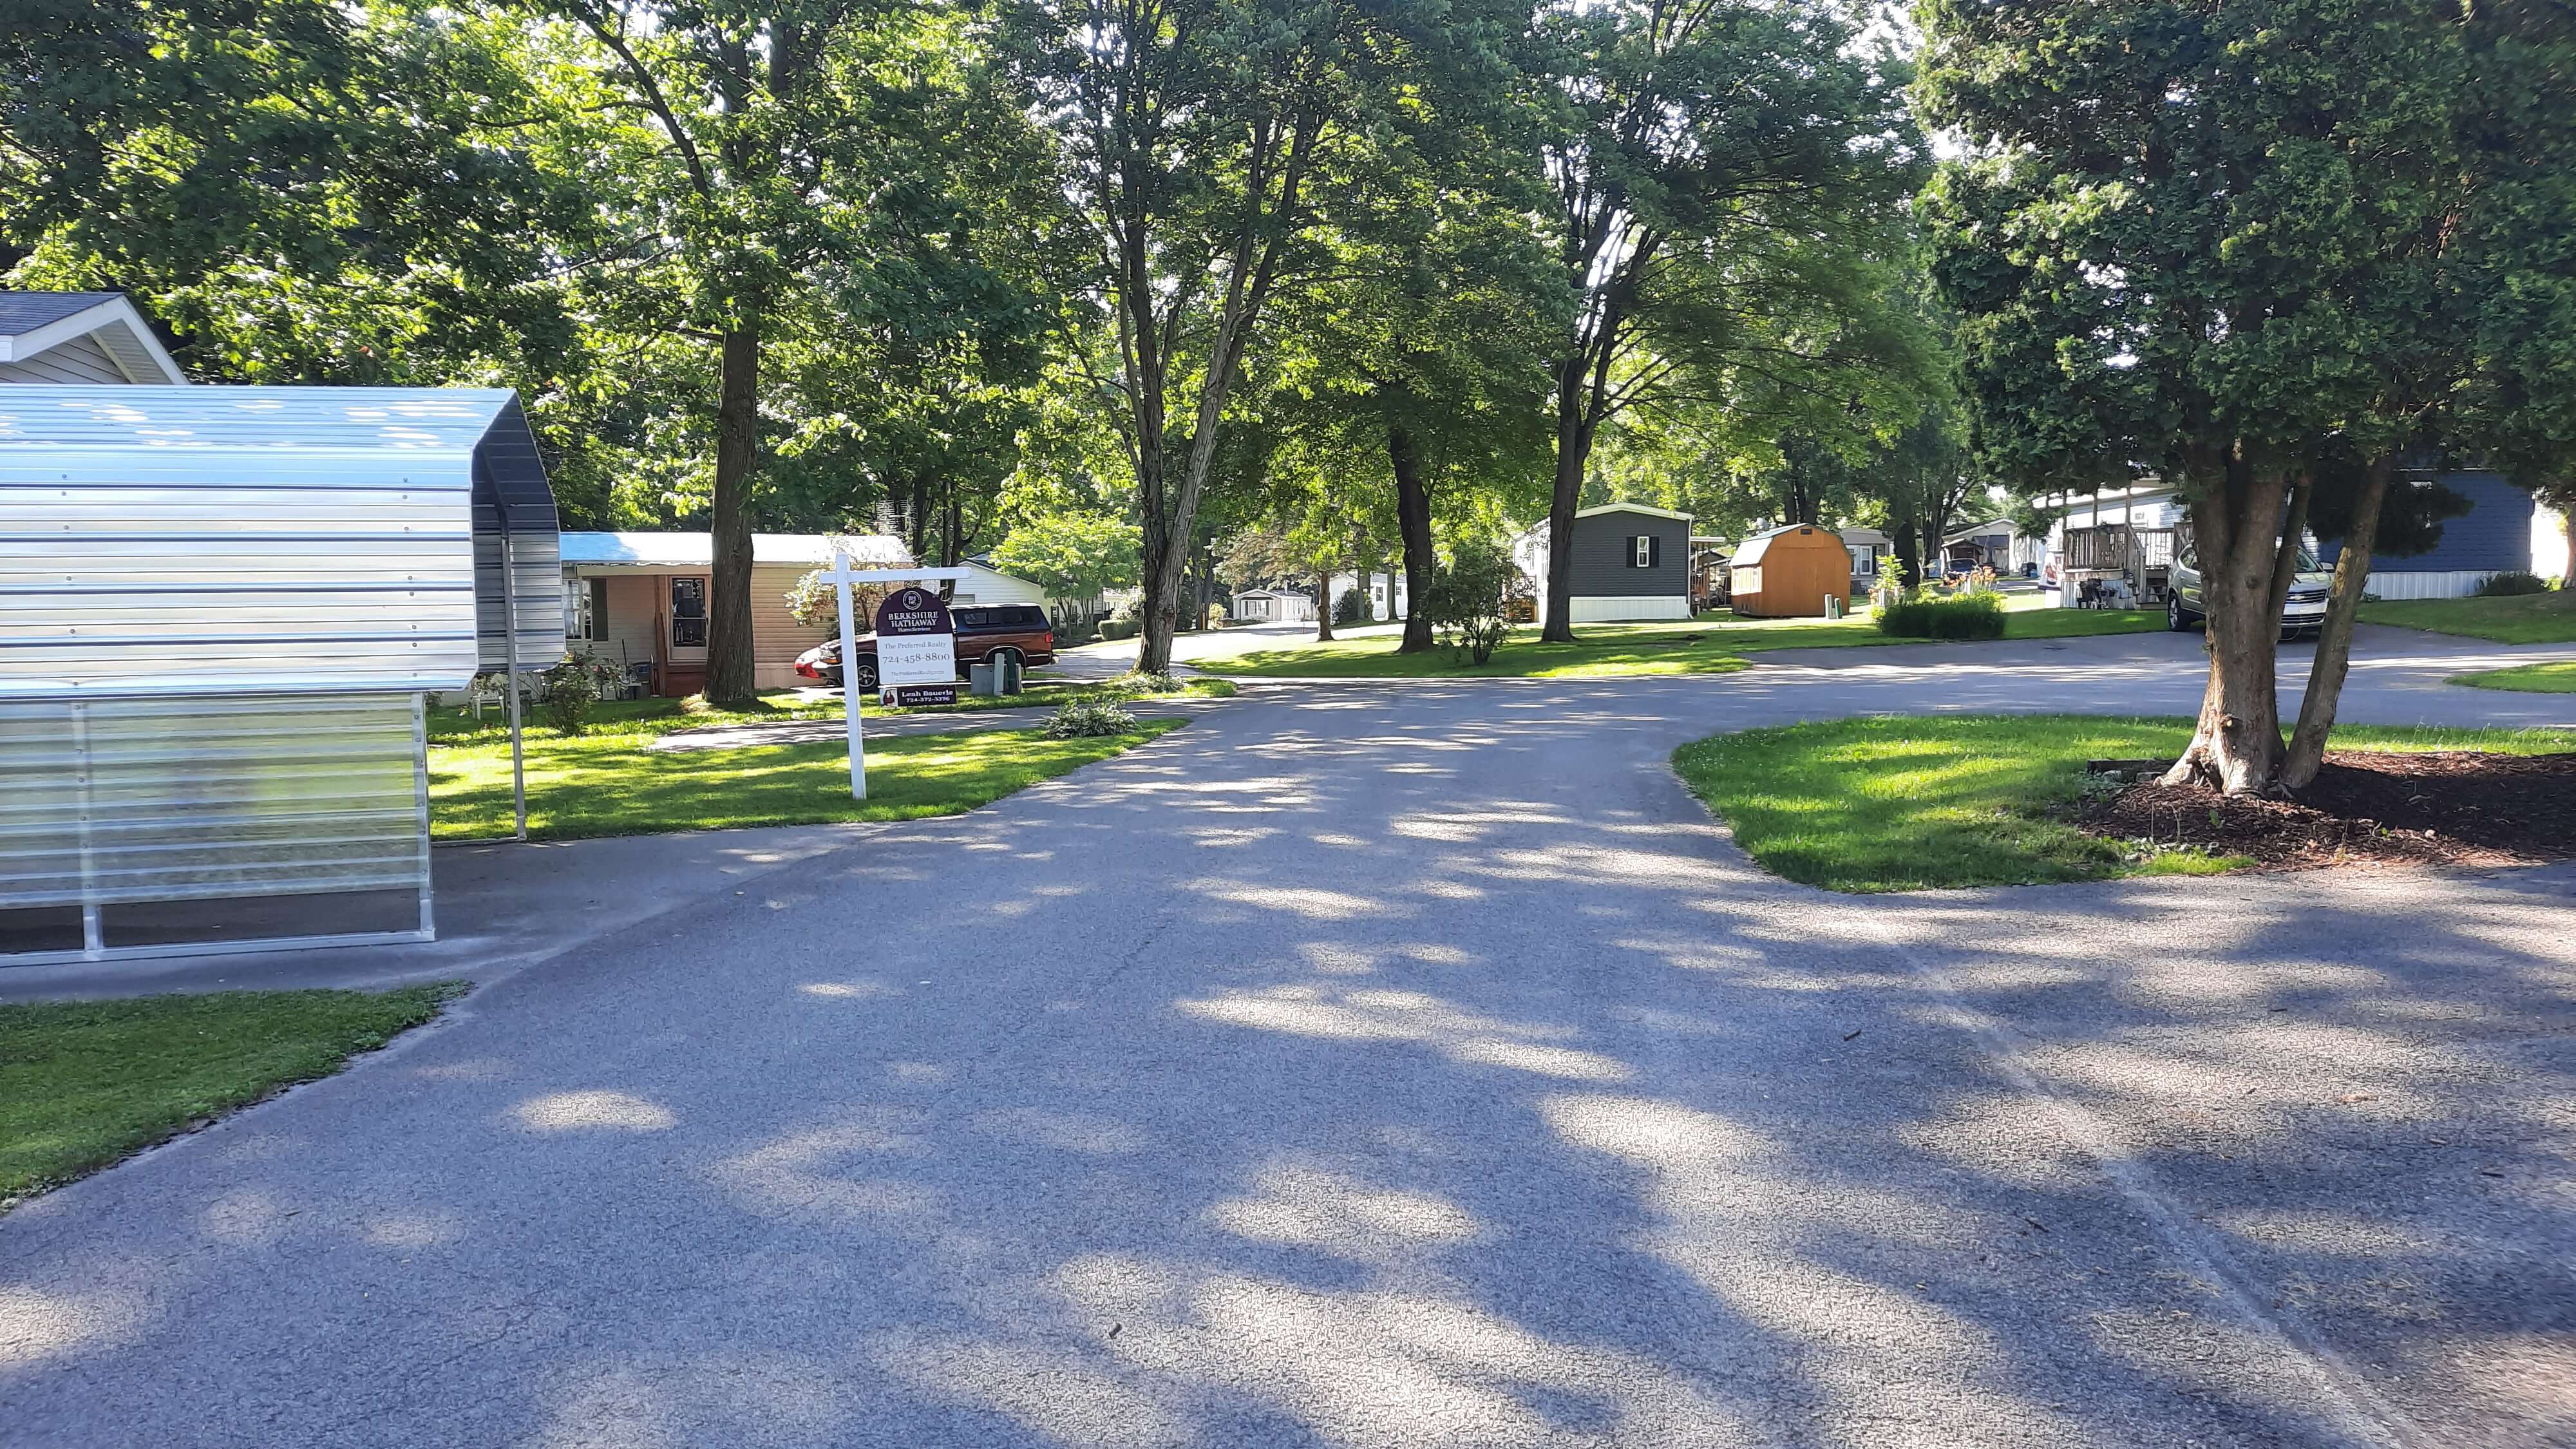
x=983 y=633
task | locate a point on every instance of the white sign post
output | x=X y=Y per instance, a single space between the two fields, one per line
x=842 y=578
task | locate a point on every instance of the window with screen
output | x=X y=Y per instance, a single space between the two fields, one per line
x=594 y=610
x=688 y=613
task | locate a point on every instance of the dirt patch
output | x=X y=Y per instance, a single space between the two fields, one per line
x=2460 y=808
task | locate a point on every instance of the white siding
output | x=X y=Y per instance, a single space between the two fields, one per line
x=1598 y=609
x=2403 y=585
x=80 y=360
x=633 y=605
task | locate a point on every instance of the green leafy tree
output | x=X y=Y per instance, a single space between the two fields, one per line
x=1072 y=555
x=1721 y=173
x=1207 y=144
x=2239 y=243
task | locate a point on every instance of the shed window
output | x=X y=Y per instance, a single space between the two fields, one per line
x=688 y=613
x=594 y=610
x=1645 y=551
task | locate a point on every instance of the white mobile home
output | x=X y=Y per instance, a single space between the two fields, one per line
x=642 y=600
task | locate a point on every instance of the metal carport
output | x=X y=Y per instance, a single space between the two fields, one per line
x=224 y=607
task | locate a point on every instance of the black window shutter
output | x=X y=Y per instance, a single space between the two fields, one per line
x=1654 y=550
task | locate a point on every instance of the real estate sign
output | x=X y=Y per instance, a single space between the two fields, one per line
x=916 y=642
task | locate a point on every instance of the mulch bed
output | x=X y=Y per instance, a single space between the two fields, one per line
x=2461 y=809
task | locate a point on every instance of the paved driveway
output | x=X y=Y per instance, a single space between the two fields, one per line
x=1398 y=1066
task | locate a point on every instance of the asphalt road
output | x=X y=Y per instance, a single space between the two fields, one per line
x=1401 y=1065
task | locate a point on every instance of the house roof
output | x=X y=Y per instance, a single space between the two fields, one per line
x=1977 y=529
x=1752 y=549
x=1631 y=508
x=697 y=549
x=36 y=322
x=26 y=311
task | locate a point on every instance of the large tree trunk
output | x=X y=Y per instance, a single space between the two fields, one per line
x=730 y=676
x=2334 y=637
x=1573 y=455
x=1413 y=524
x=2236 y=747
x=1909 y=548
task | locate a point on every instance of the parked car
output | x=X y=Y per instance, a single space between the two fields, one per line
x=984 y=634
x=2304 y=614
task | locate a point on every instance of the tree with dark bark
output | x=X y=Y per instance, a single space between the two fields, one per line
x=1714 y=166
x=1207 y=145
x=755 y=143
x=2234 y=242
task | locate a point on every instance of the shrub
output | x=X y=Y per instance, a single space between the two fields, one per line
x=1351 y=608
x=1117 y=628
x=1961 y=616
x=2511 y=582
x=1087 y=717
x=1138 y=681
x=1466 y=603
x=573 y=686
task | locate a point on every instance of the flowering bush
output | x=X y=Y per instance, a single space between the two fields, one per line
x=573 y=686
x=1087 y=717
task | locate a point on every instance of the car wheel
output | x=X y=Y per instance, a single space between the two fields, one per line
x=867 y=674
x=2175 y=619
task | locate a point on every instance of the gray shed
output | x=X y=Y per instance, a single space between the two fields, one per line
x=1630 y=561
x=225 y=608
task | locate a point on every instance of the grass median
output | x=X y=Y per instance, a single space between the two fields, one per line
x=1917 y=803
x=2557 y=678
x=2548 y=618
x=1711 y=644
x=611 y=782
x=85 y=1083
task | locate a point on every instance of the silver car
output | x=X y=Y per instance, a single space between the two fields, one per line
x=2304 y=614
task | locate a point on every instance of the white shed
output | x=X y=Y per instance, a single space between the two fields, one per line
x=225 y=607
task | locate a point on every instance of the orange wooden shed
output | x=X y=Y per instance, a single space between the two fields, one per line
x=1789 y=572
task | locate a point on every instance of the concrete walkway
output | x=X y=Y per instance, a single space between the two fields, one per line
x=1396 y=1067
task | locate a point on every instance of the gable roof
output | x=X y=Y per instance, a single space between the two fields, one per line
x=1644 y=508
x=26 y=311
x=32 y=323
x=1752 y=549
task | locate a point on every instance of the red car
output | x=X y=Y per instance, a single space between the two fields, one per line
x=983 y=634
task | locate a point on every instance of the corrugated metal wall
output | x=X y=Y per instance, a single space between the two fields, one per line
x=116 y=802
x=219 y=610
x=239 y=540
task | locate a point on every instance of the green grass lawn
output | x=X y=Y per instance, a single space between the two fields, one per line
x=2527 y=678
x=1710 y=644
x=1912 y=803
x=2548 y=618
x=607 y=782
x=457 y=725
x=84 y=1083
